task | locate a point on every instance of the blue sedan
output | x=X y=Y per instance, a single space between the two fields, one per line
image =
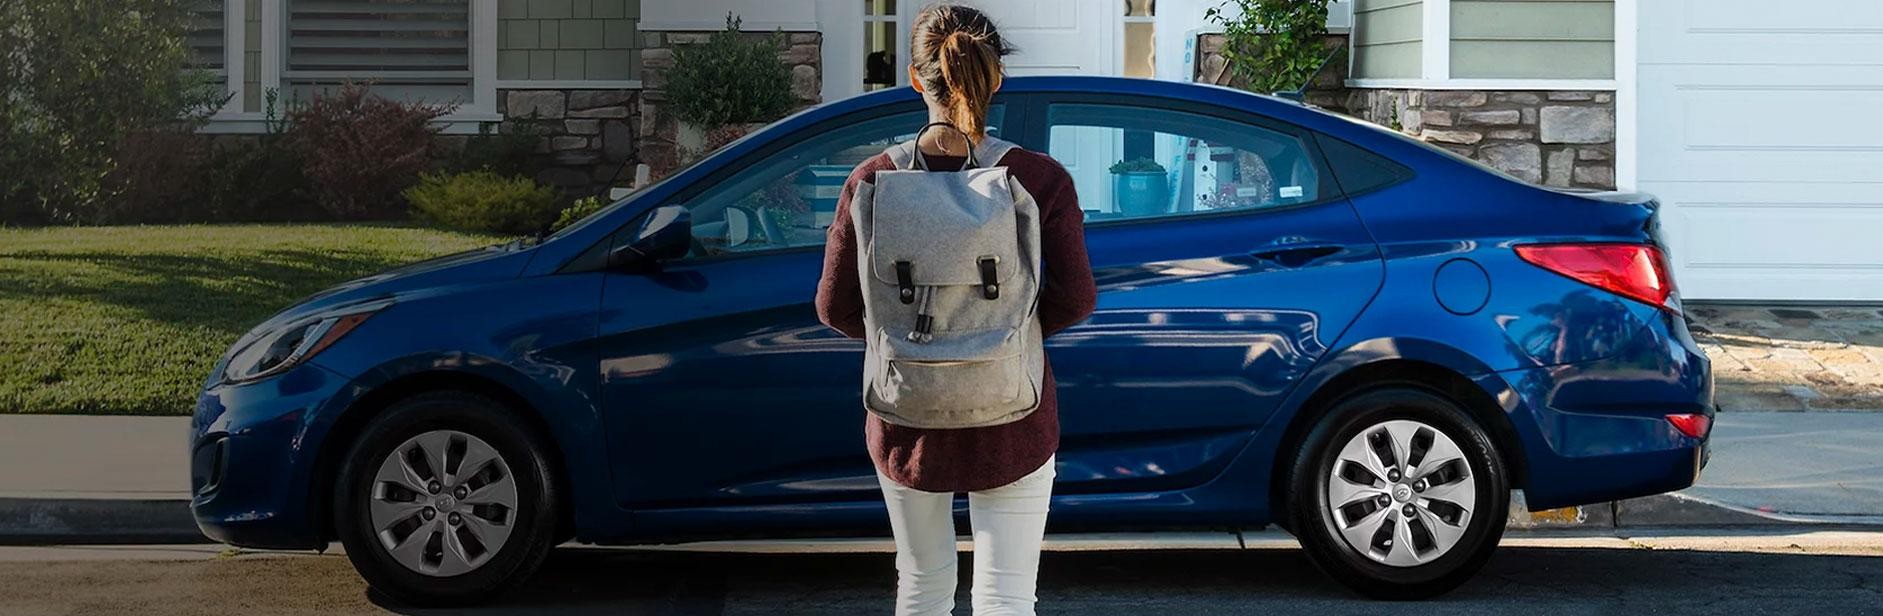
x=1303 y=320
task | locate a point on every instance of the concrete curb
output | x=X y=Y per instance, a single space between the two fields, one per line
x=74 y=521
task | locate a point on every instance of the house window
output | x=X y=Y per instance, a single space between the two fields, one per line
x=881 y=47
x=1140 y=46
x=406 y=49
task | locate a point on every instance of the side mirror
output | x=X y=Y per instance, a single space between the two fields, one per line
x=667 y=233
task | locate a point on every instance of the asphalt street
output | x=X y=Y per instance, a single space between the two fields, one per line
x=1818 y=573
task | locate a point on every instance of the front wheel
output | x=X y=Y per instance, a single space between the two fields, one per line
x=1399 y=494
x=446 y=499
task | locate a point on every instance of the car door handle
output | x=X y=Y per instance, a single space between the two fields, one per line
x=1295 y=255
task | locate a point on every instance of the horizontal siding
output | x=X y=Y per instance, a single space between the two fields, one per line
x=1388 y=39
x=1533 y=39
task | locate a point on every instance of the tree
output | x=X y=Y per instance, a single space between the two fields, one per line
x=76 y=78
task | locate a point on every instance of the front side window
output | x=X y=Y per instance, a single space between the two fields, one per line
x=1144 y=162
x=789 y=200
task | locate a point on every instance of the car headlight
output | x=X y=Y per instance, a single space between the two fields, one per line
x=276 y=350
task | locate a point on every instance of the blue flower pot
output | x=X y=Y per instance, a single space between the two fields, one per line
x=1141 y=193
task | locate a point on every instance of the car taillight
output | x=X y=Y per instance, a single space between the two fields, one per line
x=1637 y=271
x=1691 y=424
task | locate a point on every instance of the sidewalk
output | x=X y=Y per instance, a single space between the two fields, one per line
x=81 y=479
x=1793 y=358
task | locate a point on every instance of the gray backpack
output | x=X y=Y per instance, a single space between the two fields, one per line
x=950 y=268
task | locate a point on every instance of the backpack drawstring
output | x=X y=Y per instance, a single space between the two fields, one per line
x=924 y=321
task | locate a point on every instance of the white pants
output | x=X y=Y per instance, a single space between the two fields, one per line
x=1009 y=522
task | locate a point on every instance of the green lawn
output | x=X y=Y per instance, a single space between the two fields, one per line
x=129 y=320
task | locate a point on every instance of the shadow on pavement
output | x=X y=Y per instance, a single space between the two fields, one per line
x=1548 y=580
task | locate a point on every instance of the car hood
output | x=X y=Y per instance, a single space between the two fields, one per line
x=436 y=275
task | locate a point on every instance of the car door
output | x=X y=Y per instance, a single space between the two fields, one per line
x=720 y=386
x=1227 y=261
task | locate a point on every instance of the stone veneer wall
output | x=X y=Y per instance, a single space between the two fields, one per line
x=588 y=135
x=661 y=140
x=1556 y=138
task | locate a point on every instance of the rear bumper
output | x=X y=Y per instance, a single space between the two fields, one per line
x=1598 y=431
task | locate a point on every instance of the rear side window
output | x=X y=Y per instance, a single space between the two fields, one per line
x=1138 y=162
x=1358 y=170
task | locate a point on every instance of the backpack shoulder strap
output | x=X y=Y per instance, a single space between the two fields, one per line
x=902 y=155
x=987 y=154
x=992 y=149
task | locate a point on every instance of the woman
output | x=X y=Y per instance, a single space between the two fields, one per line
x=1007 y=470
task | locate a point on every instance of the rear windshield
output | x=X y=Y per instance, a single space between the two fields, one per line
x=1442 y=151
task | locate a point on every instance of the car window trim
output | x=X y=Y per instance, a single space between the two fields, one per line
x=1040 y=127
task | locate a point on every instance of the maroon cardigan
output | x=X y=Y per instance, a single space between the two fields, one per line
x=970 y=459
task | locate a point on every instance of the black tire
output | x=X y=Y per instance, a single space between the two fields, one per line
x=1314 y=523
x=533 y=523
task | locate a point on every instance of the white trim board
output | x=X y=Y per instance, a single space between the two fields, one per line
x=1627 y=93
x=523 y=84
x=1606 y=85
x=1435 y=62
x=715 y=25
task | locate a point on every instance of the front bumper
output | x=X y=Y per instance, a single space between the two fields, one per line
x=253 y=448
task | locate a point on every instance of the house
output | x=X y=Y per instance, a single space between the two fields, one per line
x=1744 y=116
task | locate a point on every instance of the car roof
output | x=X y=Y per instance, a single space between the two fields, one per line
x=1277 y=107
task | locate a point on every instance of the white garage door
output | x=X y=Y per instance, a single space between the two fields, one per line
x=1761 y=130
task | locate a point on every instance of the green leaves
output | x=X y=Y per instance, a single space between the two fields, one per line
x=1272 y=45
x=76 y=77
x=730 y=79
x=484 y=201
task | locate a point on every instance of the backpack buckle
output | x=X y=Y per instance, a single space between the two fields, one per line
x=905 y=281
x=990 y=283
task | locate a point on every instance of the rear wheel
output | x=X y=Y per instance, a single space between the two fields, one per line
x=446 y=499
x=1399 y=494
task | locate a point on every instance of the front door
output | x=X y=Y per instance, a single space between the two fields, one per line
x=719 y=384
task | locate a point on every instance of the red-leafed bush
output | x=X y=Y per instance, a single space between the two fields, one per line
x=361 y=150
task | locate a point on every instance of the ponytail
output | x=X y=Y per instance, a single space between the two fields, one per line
x=957 y=56
x=971 y=72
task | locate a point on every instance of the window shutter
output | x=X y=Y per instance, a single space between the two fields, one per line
x=407 y=49
x=205 y=37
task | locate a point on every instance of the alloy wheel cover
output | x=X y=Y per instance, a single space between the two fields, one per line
x=1401 y=492
x=443 y=503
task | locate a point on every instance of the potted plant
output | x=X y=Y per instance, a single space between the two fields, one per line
x=1140 y=187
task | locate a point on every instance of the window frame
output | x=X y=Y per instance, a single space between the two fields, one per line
x=1038 y=137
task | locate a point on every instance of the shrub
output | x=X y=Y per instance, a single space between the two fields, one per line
x=510 y=151
x=1273 y=45
x=361 y=150
x=730 y=79
x=154 y=179
x=582 y=208
x=76 y=78
x=1137 y=165
x=484 y=201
